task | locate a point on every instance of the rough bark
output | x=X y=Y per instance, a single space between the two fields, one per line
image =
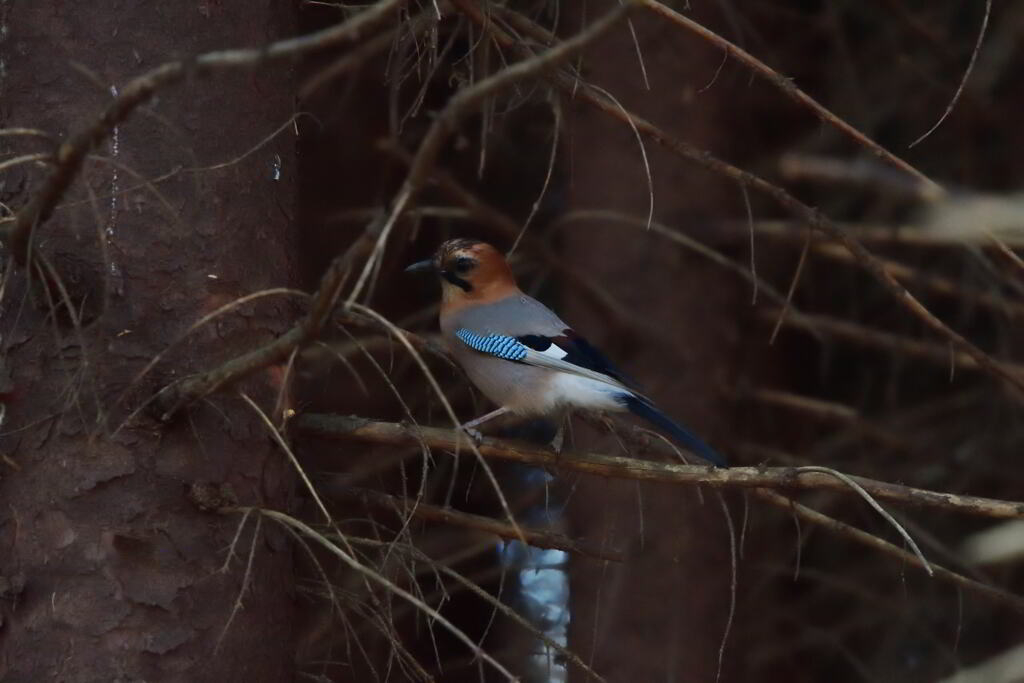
x=109 y=568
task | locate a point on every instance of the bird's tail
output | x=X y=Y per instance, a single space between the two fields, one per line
x=646 y=410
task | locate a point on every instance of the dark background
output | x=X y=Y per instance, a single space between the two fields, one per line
x=107 y=567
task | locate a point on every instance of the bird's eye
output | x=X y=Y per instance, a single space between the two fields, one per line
x=463 y=264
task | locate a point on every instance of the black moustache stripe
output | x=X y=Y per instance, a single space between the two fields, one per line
x=457 y=281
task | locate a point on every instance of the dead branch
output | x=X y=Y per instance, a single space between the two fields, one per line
x=862 y=173
x=825 y=410
x=174 y=397
x=785 y=478
x=574 y=86
x=467 y=99
x=373 y=576
x=70 y=156
x=683 y=240
x=535 y=537
x=934 y=283
x=489 y=215
x=789 y=88
x=805 y=513
x=901 y=235
x=887 y=341
x=762 y=480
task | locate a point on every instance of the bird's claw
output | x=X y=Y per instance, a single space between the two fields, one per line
x=473 y=434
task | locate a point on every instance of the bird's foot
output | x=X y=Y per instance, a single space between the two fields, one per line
x=475 y=434
x=554 y=468
x=559 y=441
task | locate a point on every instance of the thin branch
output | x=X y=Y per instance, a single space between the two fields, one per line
x=790 y=89
x=174 y=397
x=887 y=341
x=998 y=595
x=992 y=301
x=461 y=104
x=537 y=538
x=902 y=235
x=762 y=480
x=676 y=237
x=444 y=567
x=350 y=428
x=573 y=86
x=821 y=409
x=70 y=155
x=819 y=221
x=375 y=577
x=963 y=81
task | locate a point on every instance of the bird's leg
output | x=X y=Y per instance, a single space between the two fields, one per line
x=475 y=434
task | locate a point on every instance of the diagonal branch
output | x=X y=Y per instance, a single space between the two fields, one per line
x=70 y=156
x=537 y=538
x=174 y=397
x=573 y=86
x=789 y=88
x=864 y=538
x=466 y=100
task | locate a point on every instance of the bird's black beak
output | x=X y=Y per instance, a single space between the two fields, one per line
x=422 y=267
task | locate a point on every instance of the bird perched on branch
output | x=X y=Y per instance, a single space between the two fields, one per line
x=521 y=355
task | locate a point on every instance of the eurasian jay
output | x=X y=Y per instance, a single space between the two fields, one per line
x=520 y=354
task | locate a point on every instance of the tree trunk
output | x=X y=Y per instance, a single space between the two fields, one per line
x=110 y=560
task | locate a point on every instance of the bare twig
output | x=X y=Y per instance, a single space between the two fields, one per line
x=887 y=341
x=572 y=85
x=375 y=577
x=680 y=238
x=461 y=104
x=998 y=595
x=786 y=478
x=71 y=154
x=819 y=221
x=824 y=410
x=762 y=480
x=933 y=283
x=903 y=235
x=176 y=396
x=444 y=567
x=535 y=537
x=963 y=81
x=789 y=88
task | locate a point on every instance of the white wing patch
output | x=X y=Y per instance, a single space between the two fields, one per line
x=555 y=351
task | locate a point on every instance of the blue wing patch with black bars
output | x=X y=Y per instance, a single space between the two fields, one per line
x=500 y=345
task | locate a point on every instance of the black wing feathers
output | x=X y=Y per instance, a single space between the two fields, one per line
x=581 y=353
x=578 y=351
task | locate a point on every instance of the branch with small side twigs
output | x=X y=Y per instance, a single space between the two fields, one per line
x=174 y=397
x=941 y=286
x=460 y=105
x=805 y=513
x=927 y=186
x=572 y=85
x=489 y=215
x=828 y=411
x=764 y=481
x=70 y=156
x=537 y=538
x=784 y=478
x=886 y=341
